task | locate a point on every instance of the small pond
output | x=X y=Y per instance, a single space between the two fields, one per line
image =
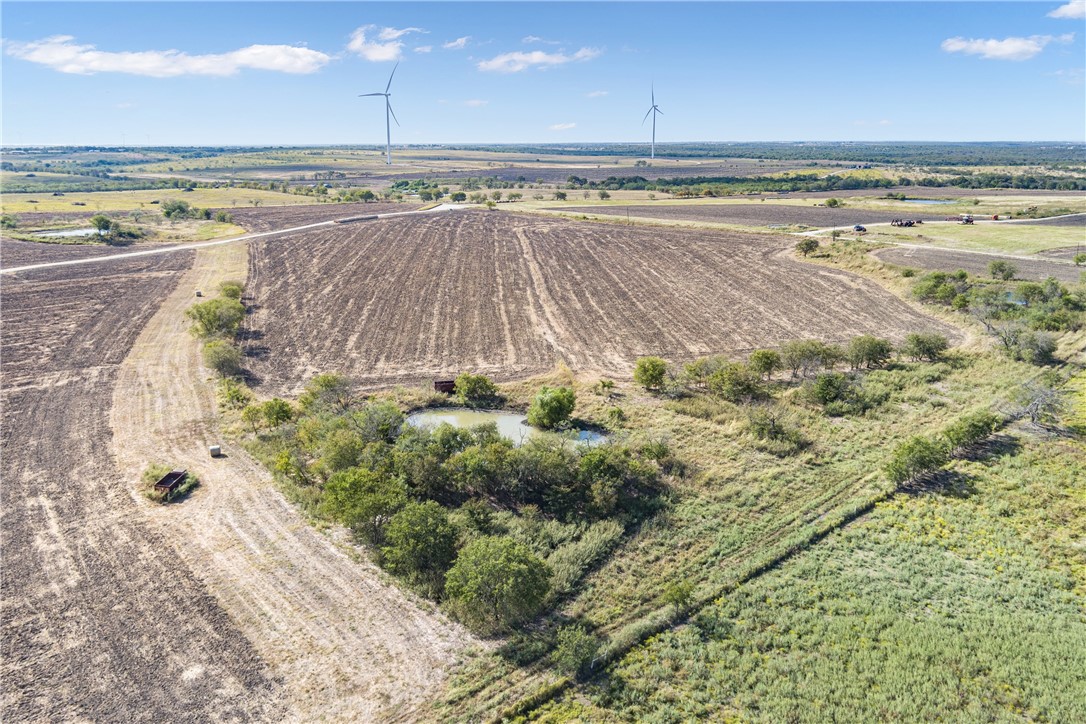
x=66 y=233
x=926 y=201
x=511 y=425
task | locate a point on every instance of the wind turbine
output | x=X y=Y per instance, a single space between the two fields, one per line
x=653 y=109
x=388 y=112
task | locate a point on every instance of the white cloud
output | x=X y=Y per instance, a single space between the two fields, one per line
x=424 y=49
x=595 y=94
x=1070 y=76
x=516 y=62
x=1006 y=49
x=475 y=103
x=885 y=122
x=1074 y=10
x=530 y=39
x=457 y=44
x=61 y=53
x=387 y=45
x=562 y=126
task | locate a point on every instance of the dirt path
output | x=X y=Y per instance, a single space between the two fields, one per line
x=345 y=643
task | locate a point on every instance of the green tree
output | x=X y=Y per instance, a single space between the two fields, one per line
x=277 y=411
x=649 y=372
x=833 y=203
x=363 y=501
x=458 y=196
x=807 y=246
x=497 y=582
x=604 y=195
x=764 y=362
x=252 y=415
x=1080 y=259
x=327 y=391
x=679 y=595
x=421 y=543
x=925 y=345
x=575 y=650
x=868 y=351
x=176 y=209
x=914 y=458
x=101 y=223
x=216 y=317
x=559 y=195
x=971 y=429
x=735 y=382
x=551 y=407
x=1000 y=269
x=223 y=357
x=474 y=390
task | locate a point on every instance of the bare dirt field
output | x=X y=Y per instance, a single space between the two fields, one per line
x=14 y=252
x=404 y=300
x=101 y=620
x=977 y=263
x=346 y=643
x=270 y=218
x=754 y=214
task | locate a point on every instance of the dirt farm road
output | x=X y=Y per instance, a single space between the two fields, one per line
x=345 y=642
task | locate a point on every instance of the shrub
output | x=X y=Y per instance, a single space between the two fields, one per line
x=971 y=429
x=828 y=387
x=921 y=346
x=649 y=372
x=551 y=407
x=474 y=390
x=216 y=317
x=176 y=209
x=807 y=356
x=915 y=458
x=233 y=394
x=1080 y=259
x=834 y=203
x=223 y=218
x=496 y=582
x=679 y=595
x=1000 y=269
x=231 y=289
x=735 y=382
x=576 y=649
x=7 y=221
x=223 y=357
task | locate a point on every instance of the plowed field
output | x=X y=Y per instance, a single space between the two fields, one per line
x=404 y=300
x=101 y=620
x=270 y=218
x=756 y=214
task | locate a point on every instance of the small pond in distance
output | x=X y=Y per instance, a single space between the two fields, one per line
x=511 y=425
x=67 y=232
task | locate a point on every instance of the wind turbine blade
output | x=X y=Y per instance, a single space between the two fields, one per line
x=390 y=77
x=364 y=95
x=646 y=116
x=392 y=112
x=659 y=111
x=653 y=91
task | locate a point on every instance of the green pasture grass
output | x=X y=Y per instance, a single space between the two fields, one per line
x=965 y=606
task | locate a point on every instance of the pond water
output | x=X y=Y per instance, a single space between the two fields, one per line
x=67 y=233
x=926 y=201
x=511 y=425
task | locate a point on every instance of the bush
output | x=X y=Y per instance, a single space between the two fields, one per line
x=551 y=407
x=233 y=394
x=1080 y=259
x=828 y=387
x=736 y=383
x=475 y=390
x=176 y=209
x=216 y=317
x=834 y=203
x=223 y=357
x=971 y=429
x=575 y=651
x=915 y=458
x=496 y=582
x=276 y=412
x=364 y=501
x=1000 y=269
x=223 y=218
x=921 y=346
x=649 y=372
x=231 y=289
x=679 y=595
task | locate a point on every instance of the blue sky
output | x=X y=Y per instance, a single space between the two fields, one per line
x=289 y=73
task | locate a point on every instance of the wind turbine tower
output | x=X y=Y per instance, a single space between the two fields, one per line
x=653 y=110
x=388 y=112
